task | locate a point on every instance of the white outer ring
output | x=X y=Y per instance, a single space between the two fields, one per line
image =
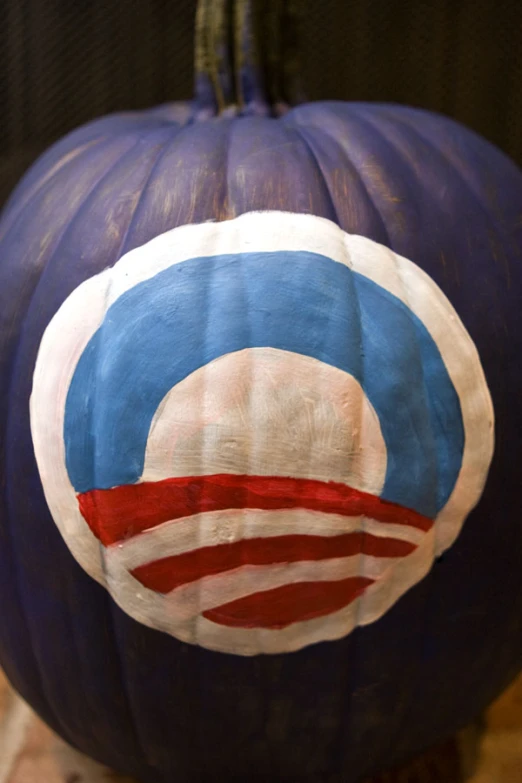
x=82 y=313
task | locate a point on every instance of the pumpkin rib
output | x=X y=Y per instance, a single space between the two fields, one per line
x=446 y=159
x=428 y=600
x=443 y=161
x=226 y=206
x=15 y=359
x=5 y=450
x=362 y=180
x=450 y=161
x=456 y=167
x=399 y=272
x=446 y=162
x=344 y=719
x=10 y=221
x=10 y=216
x=133 y=712
x=301 y=133
x=86 y=136
x=432 y=575
x=474 y=141
x=226 y=201
x=138 y=744
x=6 y=217
x=154 y=167
x=317 y=164
x=57 y=241
x=90 y=196
x=398 y=154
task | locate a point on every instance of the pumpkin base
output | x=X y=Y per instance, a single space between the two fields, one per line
x=28 y=749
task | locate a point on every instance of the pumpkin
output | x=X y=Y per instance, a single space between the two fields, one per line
x=254 y=357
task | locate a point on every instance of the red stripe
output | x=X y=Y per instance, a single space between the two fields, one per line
x=289 y=604
x=122 y=512
x=170 y=572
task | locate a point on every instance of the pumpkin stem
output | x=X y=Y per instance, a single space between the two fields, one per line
x=246 y=57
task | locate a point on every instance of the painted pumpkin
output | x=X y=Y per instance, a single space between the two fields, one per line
x=254 y=359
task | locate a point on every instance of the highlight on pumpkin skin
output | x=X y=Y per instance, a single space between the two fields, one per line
x=265 y=486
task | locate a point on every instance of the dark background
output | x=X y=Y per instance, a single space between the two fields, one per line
x=63 y=62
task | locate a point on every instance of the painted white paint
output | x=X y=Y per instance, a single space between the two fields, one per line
x=267 y=412
x=339 y=436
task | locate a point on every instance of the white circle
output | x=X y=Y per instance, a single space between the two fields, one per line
x=84 y=310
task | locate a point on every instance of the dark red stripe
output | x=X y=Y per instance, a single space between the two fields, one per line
x=120 y=513
x=170 y=572
x=289 y=604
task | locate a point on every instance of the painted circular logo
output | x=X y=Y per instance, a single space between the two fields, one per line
x=258 y=434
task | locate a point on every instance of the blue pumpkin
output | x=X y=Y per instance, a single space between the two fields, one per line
x=252 y=525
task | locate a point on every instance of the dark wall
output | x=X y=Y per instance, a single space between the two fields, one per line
x=63 y=63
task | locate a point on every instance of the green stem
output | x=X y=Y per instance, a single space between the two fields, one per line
x=246 y=56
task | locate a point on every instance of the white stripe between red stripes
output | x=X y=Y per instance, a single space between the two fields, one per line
x=225 y=526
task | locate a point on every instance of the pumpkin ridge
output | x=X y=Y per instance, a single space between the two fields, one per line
x=301 y=134
x=131 y=711
x=154 y=166
x=443 y=158
x=14 y=365
x=386 y=239
x=138 y=744
x=345 y=718
x=449 y=163
x=5 y=450
x=407 y=707
x=459 y=171
x=251 y=371
x=422 y=623
x=345 y=715
x=400 y=277
x=10 y=216
x=226 y=206
x=59 y=239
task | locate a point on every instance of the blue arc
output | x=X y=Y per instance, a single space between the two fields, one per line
x=166 y=327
